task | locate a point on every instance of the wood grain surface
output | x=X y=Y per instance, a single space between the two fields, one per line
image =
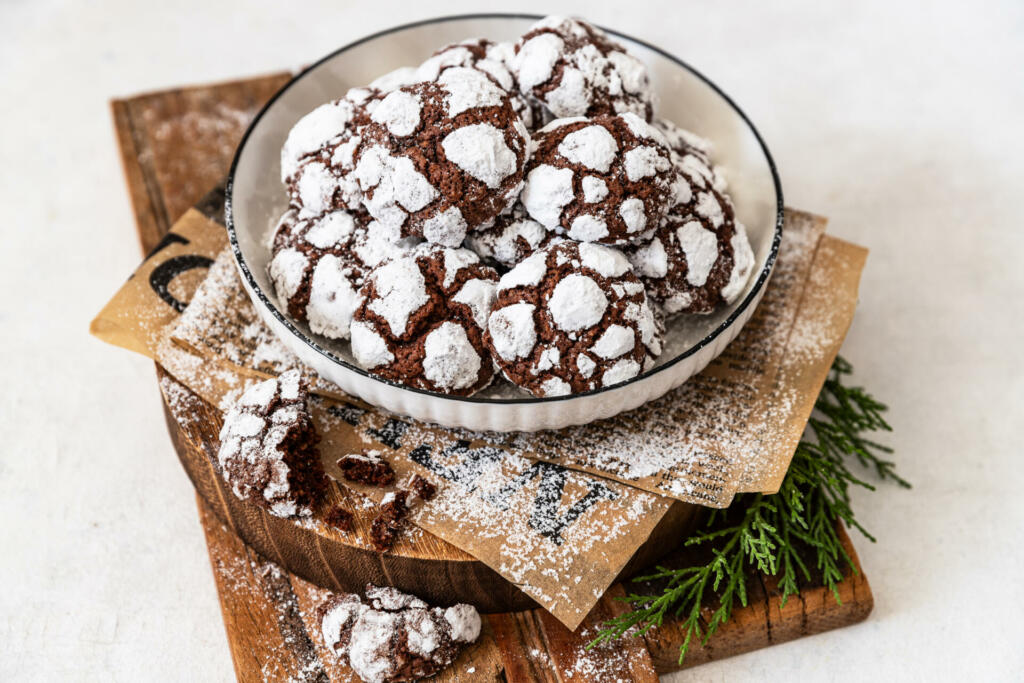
x=175 y=146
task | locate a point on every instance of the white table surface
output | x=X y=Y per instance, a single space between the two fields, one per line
x=902 y=124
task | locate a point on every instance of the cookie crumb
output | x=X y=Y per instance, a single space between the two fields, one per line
x=339 y=518
x=389 y=521
x=420 y=488
x=367 y=468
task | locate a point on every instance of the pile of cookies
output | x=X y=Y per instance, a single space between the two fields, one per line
x=507 y=209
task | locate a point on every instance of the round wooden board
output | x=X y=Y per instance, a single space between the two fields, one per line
x=419 y=563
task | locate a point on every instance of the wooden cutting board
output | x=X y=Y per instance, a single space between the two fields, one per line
x=175 y=146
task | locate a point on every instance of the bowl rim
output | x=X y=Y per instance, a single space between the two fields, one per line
x=255 y=288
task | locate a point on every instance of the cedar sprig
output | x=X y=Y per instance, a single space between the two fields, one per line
x=774 y=535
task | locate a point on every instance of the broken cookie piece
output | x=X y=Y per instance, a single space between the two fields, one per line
x=339 y=518
x=396 y=637
x=389 y=521
x=367 y=468
x=418 y=489
x=268 y=448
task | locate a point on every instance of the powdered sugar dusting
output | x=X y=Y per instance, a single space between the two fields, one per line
x=700 y=246
x=577 y=302
x=397 y=187
x=479 y=296
x=536 y=59
x=606 y=261
x=468 y=89
x=593 y=147
x=401 y=291
x=513 y=330
x=450 y=361
x=529 y=272
x=480 y=151
x=399 y=112
x=743 y=264
x=547 y=190
x=447 y=228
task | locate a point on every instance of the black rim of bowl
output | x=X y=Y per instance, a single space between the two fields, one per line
x=254 y=287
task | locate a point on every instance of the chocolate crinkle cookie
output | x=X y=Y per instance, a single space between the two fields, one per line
x=491 y=59
x=395 y=636
x=575 y=69
x=572 y=317
x=441 y=158
x=700 y=256
x=420 y=320
x=316 y=160
x=605 y=179
x=513 y=237
x=268 y=451
x=318 y=265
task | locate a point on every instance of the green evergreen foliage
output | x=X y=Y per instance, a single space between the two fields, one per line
x=791 y=535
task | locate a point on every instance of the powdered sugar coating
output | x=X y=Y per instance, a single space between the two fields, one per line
x=479 y=296
x=400 y=291
x=592 y=147
x=447 y=228
x=610 y=263
x=569 y=314
x=464 y=621
x=575 y=69
x=643 y=162
x=397 y=187
x=467 y=88
x=368 y=346
x=399 y=112
x=529 y=272
x=480 y=151
x=598 y=181
x=700 y=246
x=577 y=303
x=622 y=370
x=420 y=318
x=449 y=359
x=547 y=190
x=614 y=342
x=315 y=130
x=594 y=189
x=587 y=228
x=332 y=298
x=512 y=331
x=393 y=80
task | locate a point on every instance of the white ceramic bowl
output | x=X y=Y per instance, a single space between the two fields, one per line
x=256 y=198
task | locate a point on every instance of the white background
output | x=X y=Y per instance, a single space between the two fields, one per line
x=901 y=122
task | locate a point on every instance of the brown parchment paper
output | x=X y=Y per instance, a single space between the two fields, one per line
x=732 y=428
x=559 y=513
